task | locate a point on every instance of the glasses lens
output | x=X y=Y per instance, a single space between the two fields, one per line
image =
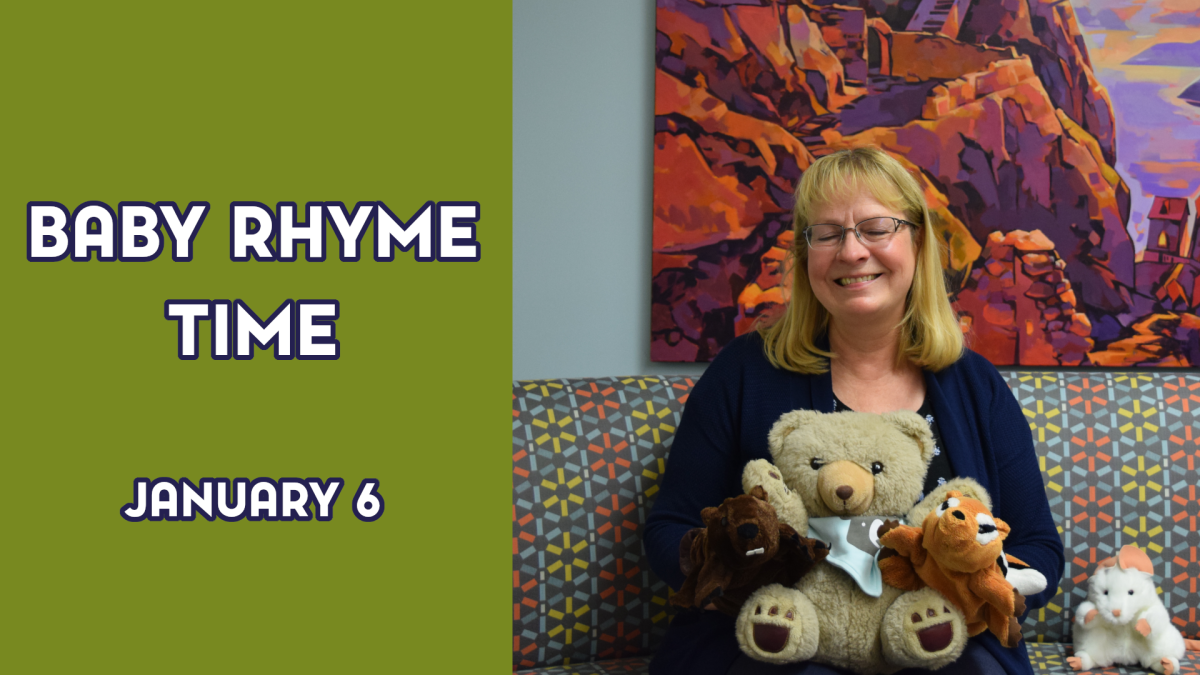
x=877 y=229
x=824 y=236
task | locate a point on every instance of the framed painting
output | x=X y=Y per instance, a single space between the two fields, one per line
x=1057 y=144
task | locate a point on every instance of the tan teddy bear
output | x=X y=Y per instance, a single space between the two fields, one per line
x=839 y=477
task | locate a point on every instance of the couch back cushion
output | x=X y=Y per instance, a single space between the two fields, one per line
x=1120 y=459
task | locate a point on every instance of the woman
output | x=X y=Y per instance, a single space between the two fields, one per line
x=869 y=328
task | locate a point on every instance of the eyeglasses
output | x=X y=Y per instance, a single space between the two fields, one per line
x=872 y=232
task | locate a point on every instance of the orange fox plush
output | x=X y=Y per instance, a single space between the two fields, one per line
x=956 y=552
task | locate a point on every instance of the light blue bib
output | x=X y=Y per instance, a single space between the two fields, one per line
x=854 y=547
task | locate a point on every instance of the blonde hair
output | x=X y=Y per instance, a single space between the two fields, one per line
x=930 y=336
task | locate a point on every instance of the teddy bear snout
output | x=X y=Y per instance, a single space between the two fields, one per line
x=747 y=531
x=844 y=492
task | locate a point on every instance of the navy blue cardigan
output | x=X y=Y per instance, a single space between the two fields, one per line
x=725 y=424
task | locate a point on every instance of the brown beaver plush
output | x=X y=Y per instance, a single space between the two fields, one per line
x=956 y=552
x=742 y=548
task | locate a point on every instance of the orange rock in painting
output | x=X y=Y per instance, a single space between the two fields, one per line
x=1026 y=303
x=766 y=296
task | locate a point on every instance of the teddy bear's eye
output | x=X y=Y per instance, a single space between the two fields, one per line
x=877 y=468
x=1131 y=591
x=816 y=464
x=724 y=521
x=1106 y=592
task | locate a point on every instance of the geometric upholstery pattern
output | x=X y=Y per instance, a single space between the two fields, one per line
x=587 y=457
x=639 y=665
x=1120 y=455
x=1051 y=658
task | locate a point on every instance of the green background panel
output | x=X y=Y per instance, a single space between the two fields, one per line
x=219 y=102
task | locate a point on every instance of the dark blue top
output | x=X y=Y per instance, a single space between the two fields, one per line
x=725 y=424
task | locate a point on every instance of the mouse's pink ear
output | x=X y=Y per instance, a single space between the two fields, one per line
x=1132 y=556
x=1107 y=562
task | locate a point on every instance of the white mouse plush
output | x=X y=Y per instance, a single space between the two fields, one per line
x=1123 y=621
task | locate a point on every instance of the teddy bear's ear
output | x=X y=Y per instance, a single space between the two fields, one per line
x=915 y=427
x=760 y=493
x=785 y=425
x=708 y=515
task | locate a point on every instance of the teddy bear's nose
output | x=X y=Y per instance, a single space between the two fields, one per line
x=747 y=531
x=844 y=492
x=959 y=515
x=1116 y=612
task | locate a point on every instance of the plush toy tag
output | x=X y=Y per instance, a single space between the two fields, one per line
x=854 y=547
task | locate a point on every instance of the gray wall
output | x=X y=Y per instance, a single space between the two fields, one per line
x=583 y=109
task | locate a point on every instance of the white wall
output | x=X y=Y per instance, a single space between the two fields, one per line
x=583 y=122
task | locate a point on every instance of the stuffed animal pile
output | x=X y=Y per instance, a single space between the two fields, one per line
x=840 y=477
x=846 y=478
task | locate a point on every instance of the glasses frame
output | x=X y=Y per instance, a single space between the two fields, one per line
x=869 y=244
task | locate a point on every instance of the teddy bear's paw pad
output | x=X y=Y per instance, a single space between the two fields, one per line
x=773 y=637
x=778 y=625
x=938 y=631
x=1075 y=663
x=1169 y=665
x=922 y=630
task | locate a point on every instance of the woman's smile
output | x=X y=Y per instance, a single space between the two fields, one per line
x=858 y=281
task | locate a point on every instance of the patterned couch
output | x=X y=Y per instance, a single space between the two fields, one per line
x=1120 y=459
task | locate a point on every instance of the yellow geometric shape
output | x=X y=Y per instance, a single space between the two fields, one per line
x=554 y=488
x=642 y=382
x=559 y=550
x=551 y=421
x=1157 y=530
x=1038 y=377
x=1146 y=483
x=1047 y=424
x=544 y=387
x=661 y=464
x=651 y=416
x=1135 y=381
x=1133 y=417
x=1054 y=471
x=1051 y=609
x=567 y=626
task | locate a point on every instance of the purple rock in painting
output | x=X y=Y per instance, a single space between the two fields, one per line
x=1192 y=93
x=1177 y=54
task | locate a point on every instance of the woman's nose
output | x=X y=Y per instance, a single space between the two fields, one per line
x=852 y=248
